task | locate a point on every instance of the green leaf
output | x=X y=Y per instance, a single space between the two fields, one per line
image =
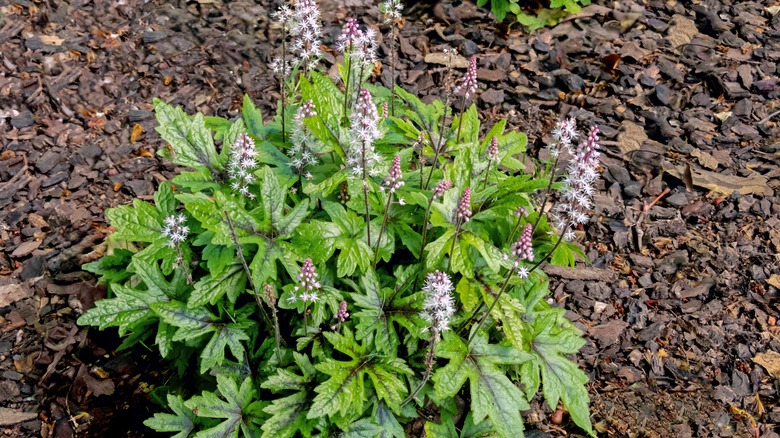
x=343 y=392
x=263 y=265
x=562 y=379
x=288 y=414
x=209 y=289
x=218 y=258
x=289 y=223
x=190 y=323
x=164 y=200
x=378 y=315
x=189 y=139
x=225 y=336
x=364 y=428
x=112 y=268
x=354 y=253
x=181 y=421
x=139 y=223
x=128 y=308
x=493 y=395
x=385 y=418
x=253 y=118
x=469 y=294
x=272 y=195
x=232 y=406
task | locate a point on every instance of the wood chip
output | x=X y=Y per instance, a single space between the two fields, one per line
x=11 y=293
x=442 y=58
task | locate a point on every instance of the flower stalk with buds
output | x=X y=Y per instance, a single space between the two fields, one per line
x=438 y=308
x=362 y=158
x=243 y=160
x=466 y=89
x=392 y=10
x=393 y=181
x=176 y=231
x=306 y=289
x=492 y=155
x=462 y=214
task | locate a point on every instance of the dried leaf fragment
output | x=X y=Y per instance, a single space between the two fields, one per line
x=770 y=360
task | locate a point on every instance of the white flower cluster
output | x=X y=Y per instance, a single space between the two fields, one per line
x=243 y=160
x=175 y=230
x=439 y=306
x=301 y=153
x=302 y=22
x=365 y=131
x=392 y=10
x=577 y=196
x=564 y=134
x=358 y=45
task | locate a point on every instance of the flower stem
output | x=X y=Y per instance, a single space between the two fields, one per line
x=365 y=195
x=487 y=171
x=425 y=228
x=439 y=145
x=283 y=85
x=452 y=247
x=392 y=69
x=346 y=81
x=546 y=191
x=460 y=118
x=506 y=282
x=429 y=357
x=384 y=225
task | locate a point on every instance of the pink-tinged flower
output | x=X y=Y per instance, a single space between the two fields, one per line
x=441 y=187
x=385 y=110
x=365 y=131
x=269 y=294
x=520 y=212
x=577 y=196
x=394 y=179
x=243 y=160
x=492 y=150
x=439 y=306
x=175 y=230
x=342 y=314
x=523 y=248
x=349 y=32
x=307 y=283
x=468 y=84
x=463 y=211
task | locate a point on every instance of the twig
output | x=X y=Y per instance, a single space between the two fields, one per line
x=767 y=118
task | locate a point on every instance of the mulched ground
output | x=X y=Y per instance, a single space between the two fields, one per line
x=680 y=305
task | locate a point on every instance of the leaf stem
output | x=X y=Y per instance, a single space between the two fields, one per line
x=460 y=118
x=275 y=324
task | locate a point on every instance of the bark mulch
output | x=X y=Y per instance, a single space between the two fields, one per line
x=679 y=306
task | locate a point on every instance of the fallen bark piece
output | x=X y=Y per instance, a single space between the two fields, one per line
x=584 y=273
x=718 y=183
x=9 y=417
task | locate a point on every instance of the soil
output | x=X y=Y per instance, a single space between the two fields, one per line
x=679 y=305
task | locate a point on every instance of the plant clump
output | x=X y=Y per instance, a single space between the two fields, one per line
x=345 y=267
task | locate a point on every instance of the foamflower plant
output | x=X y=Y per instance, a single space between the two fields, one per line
x=349 y=270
